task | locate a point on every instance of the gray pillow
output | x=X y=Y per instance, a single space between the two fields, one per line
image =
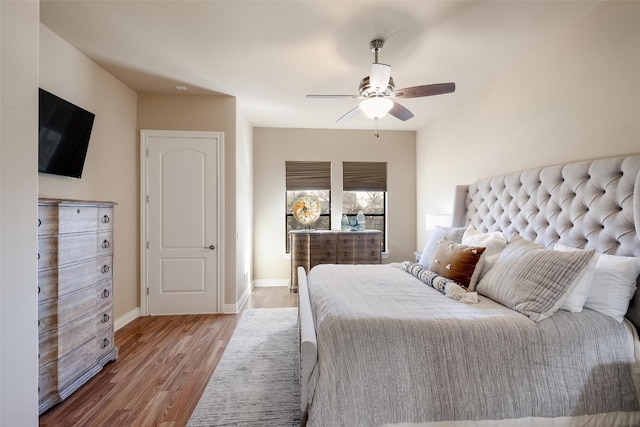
x=532 y=279
x=453 y=234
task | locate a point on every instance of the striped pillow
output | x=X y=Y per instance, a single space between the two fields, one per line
x=532 y=279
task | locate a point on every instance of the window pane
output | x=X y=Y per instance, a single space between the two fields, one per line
x=369 y=202
x=323 y=223
x=323 y=197
x=373 y=206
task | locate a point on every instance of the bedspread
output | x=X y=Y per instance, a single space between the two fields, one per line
x=392 y=350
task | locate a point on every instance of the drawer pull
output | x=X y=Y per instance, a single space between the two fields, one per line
x=105 y=343
x=106 y=293
x=39 y=222
x=38 y=289
x=38 y=322
x=38 y=256
x=345 y=253
x=78 y=211
x=105 y=269
x=106 y=219
x=105 y=318
x=328 y=254
x=105 y=244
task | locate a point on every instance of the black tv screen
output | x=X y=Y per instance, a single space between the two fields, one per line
x=63 y=137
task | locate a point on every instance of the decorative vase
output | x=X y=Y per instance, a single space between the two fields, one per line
x=361 y=221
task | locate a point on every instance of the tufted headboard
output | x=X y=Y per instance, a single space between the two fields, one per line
x=586 y=204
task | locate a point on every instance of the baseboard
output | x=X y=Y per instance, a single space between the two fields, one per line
x=265 y=283
x=127 y=318
x=230 y=309
x=235 y=308
x=136 y=312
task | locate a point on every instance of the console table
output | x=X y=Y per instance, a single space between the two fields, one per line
x=312 y=247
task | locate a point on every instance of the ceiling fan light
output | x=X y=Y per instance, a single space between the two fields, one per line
x=376 y=107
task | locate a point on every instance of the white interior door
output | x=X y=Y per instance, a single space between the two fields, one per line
x=181 y=218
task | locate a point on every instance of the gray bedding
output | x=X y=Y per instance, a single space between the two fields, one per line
x=392 y=350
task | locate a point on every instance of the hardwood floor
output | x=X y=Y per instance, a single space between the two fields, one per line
x=165 y=363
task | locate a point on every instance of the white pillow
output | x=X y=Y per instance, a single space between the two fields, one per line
x=579 y=295
x=494 y=242
x=613 y=286
x=453 y=234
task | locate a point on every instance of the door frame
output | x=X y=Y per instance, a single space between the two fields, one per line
x=145 y=134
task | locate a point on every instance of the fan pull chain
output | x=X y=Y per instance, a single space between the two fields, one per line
x=376 y=133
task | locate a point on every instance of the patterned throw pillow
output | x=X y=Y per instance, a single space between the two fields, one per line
x=532 y=279
x=457 y=262
x=427 y=276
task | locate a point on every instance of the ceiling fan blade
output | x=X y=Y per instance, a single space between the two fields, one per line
x=333 y=96
x=379 y=77
x=400 y=112
x=348 y=115
x=425 y=90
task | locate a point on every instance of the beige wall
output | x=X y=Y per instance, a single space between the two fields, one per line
x=19 y=23
x=244 y=205
x=111 y=167
x=204 y=113
x=273 y=147
x=576 y=97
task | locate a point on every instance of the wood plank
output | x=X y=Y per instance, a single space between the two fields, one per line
x=164 y=365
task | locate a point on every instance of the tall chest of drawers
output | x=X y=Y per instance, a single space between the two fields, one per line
x=75 y=295
x=312 y=247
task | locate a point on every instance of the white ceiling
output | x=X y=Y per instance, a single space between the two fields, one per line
x=270 y=54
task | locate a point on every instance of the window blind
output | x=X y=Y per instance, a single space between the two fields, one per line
x=308 y=176
x=364 y=176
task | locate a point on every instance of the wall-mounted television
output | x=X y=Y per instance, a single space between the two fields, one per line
x=63 y=137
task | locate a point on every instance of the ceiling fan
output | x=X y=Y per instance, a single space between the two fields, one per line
x=378 y=92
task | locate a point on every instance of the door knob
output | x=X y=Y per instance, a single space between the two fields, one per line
x=210 y=247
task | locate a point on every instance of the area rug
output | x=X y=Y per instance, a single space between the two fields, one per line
x=256 y=382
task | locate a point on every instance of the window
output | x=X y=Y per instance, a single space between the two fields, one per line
x=308 y=179
x=364 y=186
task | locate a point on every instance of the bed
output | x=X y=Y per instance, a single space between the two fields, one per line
x=403 y=345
